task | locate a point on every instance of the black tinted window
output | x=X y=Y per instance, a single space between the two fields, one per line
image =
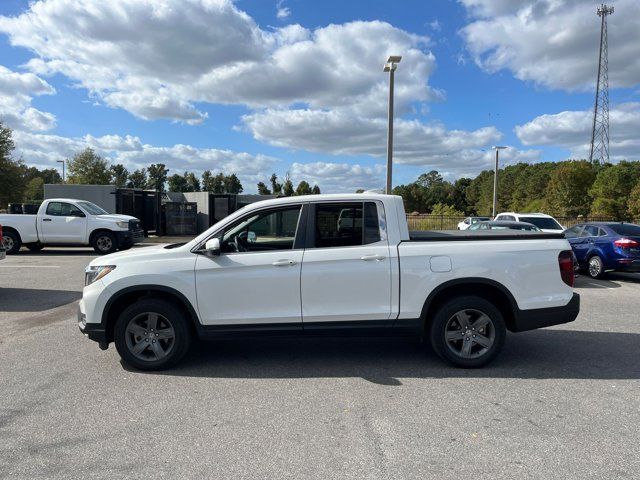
x=346 y=224
x=626 y=229
x=542 y=222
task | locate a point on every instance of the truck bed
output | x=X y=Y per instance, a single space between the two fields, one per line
x=465 y=235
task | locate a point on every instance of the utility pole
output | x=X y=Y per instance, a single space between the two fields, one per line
x=600 y=129
x=495 y=183
x=62 y=162
x=390 y=66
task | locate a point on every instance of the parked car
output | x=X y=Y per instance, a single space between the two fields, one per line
x=65 y=221
x=604 y=246
x=467 y=222
x=544 y=222
x=2 y=252
x=286 y=266
x=504 y=225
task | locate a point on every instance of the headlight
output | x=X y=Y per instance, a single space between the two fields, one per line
x=91 y=274
x=122 y=224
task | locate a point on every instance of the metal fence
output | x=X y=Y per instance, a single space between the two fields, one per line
x=447 y=222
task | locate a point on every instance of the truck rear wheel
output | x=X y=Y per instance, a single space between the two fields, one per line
x=468 y=331
x=11 y=242
x=152 y=335
x=104 y=242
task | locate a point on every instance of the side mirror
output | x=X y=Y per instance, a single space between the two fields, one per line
x=213 y=246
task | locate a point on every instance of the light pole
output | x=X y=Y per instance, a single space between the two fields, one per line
x=62 y=162
x=495 y=182
x=390 y=66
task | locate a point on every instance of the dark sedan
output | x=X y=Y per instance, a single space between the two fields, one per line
x=606 y=246
x=504 y=225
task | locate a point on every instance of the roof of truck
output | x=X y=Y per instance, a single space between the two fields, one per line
x=323 y=197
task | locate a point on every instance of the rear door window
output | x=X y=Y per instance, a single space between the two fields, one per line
x=346 y=224
x=573 y=232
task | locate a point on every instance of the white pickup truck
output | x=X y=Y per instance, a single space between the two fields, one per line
x=329 y=264
x=65 y=221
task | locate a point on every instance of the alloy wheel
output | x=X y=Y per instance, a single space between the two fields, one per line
x=104 y=243
x=150 y=336
x=470 y=333
x=7 y=243
x=595 y=267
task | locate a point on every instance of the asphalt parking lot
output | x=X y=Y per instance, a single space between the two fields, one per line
x=559 y=403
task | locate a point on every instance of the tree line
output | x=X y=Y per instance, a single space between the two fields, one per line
x=565 y=189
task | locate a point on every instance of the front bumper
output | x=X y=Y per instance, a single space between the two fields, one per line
x=545 y=317
x=129 y=237
x=94 y=331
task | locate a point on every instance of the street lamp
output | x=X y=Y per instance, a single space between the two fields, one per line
x=495 y=181
x=62 y=162
x=390 y=66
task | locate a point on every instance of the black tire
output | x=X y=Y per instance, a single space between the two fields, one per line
x=11 y=242
x=104 y=242
x=34 y=247
x=474 y=311
x=595 y=267
x=167 y=315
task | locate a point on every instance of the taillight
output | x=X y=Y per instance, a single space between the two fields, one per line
x=565 y=262
x=626 y=243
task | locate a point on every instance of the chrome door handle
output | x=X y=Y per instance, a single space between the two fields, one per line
x=374 y=256
x=284 y=263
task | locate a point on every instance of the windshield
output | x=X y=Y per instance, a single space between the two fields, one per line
x=542 y=222
x=626 y=229
x=92 y=208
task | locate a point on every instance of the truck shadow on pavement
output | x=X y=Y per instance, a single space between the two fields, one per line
x=541 y=354
x=34 y=300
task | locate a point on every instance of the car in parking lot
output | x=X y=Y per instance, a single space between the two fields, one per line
x=544 y=222
x=504 y=225
x=469 y=221
x=605 y=246
x=329 y=264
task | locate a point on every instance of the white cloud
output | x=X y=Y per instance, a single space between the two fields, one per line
x=338 y=177
x=158 y=58
x=341 y=132
x=572 y=130
x=16 y=93
x=43 y=150
x=282 y=12
x=554 y=43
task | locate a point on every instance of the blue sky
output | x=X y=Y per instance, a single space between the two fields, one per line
x=209 y=84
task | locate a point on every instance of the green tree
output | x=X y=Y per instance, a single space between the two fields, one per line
x=48 y=175
x=11 y=171
x=88 y=168
x=276 y=187
x=303 y=188
x=157 y=173
x=459 y=194
x=207 y=181
x=263 y=189
x=567 y=193
x=315 y=190
x=446 y=210
x=634 y=203
x=119 y=175
x=232 y=184
x=34 y=189
x=192 y=182
x=137 y=179
x=177 y=183
x=612 y=187
x=287 y=186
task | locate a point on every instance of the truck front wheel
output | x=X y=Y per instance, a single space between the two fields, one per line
x=104 y=242
x=468 y=331
x=152 y=335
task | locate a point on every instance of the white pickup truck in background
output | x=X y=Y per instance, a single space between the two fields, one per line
x=329 y=264
x=70 y=222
